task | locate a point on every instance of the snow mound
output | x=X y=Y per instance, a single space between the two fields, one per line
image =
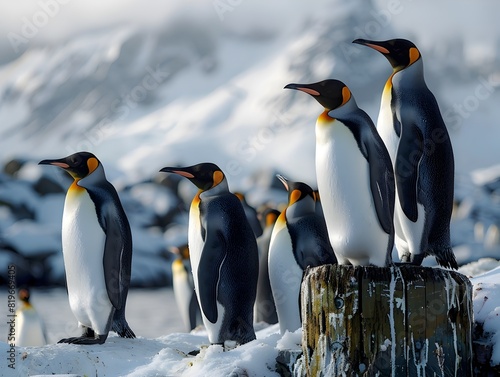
x=170 y=355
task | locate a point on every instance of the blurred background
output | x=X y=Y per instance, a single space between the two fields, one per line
x=149 y=84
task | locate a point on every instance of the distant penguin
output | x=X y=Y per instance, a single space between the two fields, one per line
x=224 y=256
x=30 y=329
x=299 y=240
x=97 y=250
x=183 y=286
x=416 y=137
x=355 y=177
x=251 y=214
x=265 y=309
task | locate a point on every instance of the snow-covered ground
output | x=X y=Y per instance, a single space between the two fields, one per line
x=163 y=349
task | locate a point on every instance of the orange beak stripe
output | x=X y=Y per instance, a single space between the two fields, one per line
x=183 y=173
x=381 y=49
x=312 y=92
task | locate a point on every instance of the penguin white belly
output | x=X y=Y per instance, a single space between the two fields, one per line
x=29 y=328
x=285 y=277
x=196 y=244
x=409 y=234
x=83 y=250
x=344 y=186
x=385 y=126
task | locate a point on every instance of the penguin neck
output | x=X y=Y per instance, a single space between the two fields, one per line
x=412 y=76
x=345 y=110
x=26 y=304
x=93 y=178
x=304 y=207
x=221 y=188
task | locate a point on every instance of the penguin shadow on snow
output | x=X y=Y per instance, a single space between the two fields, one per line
x=97 y=250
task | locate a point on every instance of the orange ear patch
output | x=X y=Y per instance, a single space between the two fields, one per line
x=346 y=95
x=271 y=219
x=217 y=177
x=92 y=164
x=295 y=196
x=414 y=55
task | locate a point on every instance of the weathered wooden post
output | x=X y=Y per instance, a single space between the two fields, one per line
x=395 y=321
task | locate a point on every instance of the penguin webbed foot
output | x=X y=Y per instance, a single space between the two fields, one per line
x=445 y=258
x=98 y=339
x=411 y=259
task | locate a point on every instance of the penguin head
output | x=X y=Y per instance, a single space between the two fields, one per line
x=78 y=165
x=204 y=176
x=296 y=190
x=401 y=53
x=331 y=94
x=269 y=217
x=24 y=295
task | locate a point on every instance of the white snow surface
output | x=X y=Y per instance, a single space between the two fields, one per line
x=152 y=313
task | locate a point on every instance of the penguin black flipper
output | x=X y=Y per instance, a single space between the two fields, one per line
x=381 y=177
x=113 y=250
x=210 y=265
x=117 y=259
x=117 y=252
x=194 y=310
x=310 y=242
x=382 y=191
x=409 y=155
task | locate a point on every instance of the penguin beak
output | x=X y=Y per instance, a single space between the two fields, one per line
x=303 y=88
x=373 y=44
x=60 y=163
x=178 y=171
x=283 y=180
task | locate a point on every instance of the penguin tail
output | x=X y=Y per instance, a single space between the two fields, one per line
x=445 y=258
x=123 y=329
x=120 y=325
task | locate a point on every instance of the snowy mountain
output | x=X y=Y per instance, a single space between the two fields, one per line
x=207 y=85
x=161 y=86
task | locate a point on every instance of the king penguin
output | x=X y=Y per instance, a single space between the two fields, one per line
x=265 y=308
x=416 y=137
x=183 y=285
x=30 y=329
x=223 y=254
x=97 y=250
x=299 y=240
x=355 y=177
x=251 y=214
